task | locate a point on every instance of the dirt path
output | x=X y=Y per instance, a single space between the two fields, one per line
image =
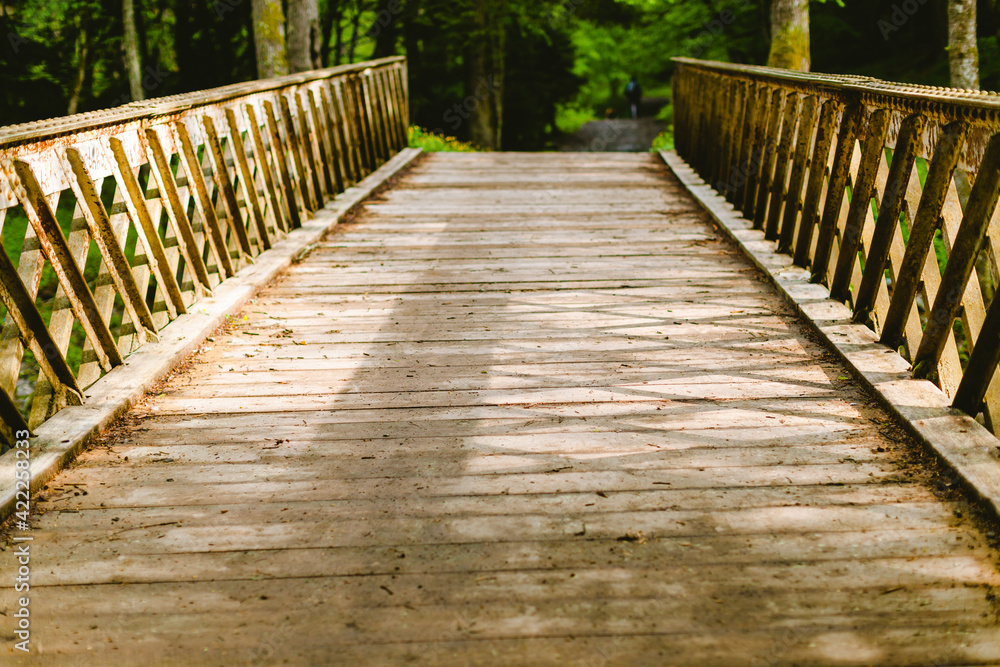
x=619 y=134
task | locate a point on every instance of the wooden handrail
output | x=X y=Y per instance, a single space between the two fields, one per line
x=116 y=222
x=886 y=192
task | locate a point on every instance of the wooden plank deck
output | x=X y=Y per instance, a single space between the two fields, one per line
x=524 y=410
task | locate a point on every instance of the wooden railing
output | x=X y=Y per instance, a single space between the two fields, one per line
x=116 y=222
x=887 y=193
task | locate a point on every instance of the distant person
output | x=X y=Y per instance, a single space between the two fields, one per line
x=633 y=93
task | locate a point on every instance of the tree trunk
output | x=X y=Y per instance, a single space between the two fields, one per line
x=82 y=59
x=789 y=35
x=304 y=35
x=338 y=43
x=330 y=27
x=386 y=27
x=359 y=8
x=133 y=65
x=269 y=38
x=963 y=53
x=485 y=70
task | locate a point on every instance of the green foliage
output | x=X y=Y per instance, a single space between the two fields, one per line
x=57 y=55
x=440 y=39
x=664 y=142
x=570 y=117
x=539 y=78
x=567 y=60
x=644 y=35
x=435 y=143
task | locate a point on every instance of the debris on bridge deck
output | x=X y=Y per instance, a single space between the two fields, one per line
x=524 y=409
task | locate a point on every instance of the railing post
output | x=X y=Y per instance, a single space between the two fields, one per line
x=750 y=164
x=758 y=202
x=978 y=213
x=176 y=212
x=276 y=205
x=818 y=163
x=800 y=164
x=887 y=223
x=922 y=229
x=776 y=201
x=872 y=152
x=836 y=190
x=246 y=179
x=278 y=150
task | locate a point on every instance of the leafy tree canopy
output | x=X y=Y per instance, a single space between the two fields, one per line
x=553 y=63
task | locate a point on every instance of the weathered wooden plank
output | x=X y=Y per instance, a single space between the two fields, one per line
x=91 y=565
x=505 y=435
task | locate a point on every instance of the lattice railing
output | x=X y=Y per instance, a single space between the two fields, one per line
x=886 y=192
x=116 y=222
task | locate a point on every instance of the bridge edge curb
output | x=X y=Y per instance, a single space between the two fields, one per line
x=965 y=447
x=60 y=439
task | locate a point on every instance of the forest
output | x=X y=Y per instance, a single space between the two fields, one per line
x=510 y=74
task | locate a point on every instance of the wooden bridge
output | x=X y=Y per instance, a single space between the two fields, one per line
x=334 y=402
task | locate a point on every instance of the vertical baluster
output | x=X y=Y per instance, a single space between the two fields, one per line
x=776 y=200
x=703 y=131
x=382 y=148
x=367 y=132
x=825 y=132
x=887 y=223
x=922 y=230
x=324 y=147
x=348 y=112
x=836 y=190
x=295 y=143
x=731 y=119
x=310 y=145
x=404 y=100
x=758 y=202
x=737 y=174
x=715 y=128
x=861 y=201
x=227 y=193
x=278 y=150
x=68 y=273
x=177 y=213
x=796 y=181
x=247 y=182
x=961 y=262
x=203 y=202
x=352 y=143
x=337 y=157
x=399 y=138
x=755 y=148
x=275 y=204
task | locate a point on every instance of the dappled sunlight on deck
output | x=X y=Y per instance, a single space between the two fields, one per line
x=499 y=419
